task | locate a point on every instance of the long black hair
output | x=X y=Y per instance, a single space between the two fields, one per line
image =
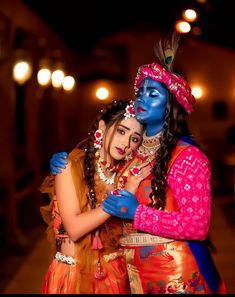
x=175 y=126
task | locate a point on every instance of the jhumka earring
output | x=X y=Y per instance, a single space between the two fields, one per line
x=129 y=156
x=98 y=138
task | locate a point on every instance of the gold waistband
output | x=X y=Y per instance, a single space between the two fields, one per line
x=142 y=239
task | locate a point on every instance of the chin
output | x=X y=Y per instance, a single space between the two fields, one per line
x=117 y=157
x=140 y=118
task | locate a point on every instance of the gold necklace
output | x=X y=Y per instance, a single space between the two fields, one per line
x=149 y=146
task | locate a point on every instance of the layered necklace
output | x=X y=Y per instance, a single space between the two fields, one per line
x=102 y=163
x=149 y=146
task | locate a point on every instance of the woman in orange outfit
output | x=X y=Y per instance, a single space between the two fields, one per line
x=88 y=258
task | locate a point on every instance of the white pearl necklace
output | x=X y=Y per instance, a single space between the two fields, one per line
x=107 y=180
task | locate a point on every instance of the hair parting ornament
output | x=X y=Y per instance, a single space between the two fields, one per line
x=175 y=83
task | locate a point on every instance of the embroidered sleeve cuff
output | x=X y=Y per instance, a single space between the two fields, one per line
x=146 y=218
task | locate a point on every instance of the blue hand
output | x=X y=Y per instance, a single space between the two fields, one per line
x=122 y=205
x=57 y=162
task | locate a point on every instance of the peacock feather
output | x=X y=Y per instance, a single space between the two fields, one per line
x=166 y=50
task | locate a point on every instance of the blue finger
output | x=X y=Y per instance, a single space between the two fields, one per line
x=55 y=170
x=114 y=214
x=59 y=164
x=107 y=203
x=60 y=159
x=105 y=208
x=109 y=206
x=113 y=197
x=108 y=211
x=60 y=155
x=64 y=161
x=126 y=193
x=110 y=200
x=63 y=154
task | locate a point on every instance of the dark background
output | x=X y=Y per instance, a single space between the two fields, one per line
x=83 y=23
x=103 y=41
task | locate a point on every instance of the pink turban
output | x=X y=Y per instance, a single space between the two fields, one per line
x=176 y=84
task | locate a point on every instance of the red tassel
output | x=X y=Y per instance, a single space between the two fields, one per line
x=97 y=243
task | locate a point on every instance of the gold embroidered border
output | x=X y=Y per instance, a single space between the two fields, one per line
x=133 y=273
x=142 y=239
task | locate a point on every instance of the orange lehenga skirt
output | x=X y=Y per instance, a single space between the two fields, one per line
x=62 y=278
x=170 y=268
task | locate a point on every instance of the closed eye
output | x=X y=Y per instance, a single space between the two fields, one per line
x=140 y=93
x=153 y=93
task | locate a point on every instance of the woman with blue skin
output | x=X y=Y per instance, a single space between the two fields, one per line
x=166 y=245
x=166 y=222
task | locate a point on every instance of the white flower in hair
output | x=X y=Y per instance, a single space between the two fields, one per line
x=130 y=111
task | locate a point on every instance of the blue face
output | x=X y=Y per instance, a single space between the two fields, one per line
x=150 y=105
